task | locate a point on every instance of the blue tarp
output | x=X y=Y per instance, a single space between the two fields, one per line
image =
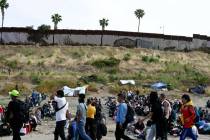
x=159 y=86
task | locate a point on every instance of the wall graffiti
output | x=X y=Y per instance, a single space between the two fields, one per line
x=126 y=42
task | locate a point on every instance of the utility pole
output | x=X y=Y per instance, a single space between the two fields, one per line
x=162 y=27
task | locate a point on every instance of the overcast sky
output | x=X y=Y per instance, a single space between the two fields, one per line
x=179 y=17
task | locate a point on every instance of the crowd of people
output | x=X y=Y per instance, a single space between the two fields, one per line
x=88 y=124
x=162 y=116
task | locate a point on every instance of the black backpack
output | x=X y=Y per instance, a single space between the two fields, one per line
x=103 y=129
x=24 y=111
x=130 y=114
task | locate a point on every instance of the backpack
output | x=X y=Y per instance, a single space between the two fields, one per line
x=103 y=129
x=197 y=115
x=24 y=111
x=130 y=114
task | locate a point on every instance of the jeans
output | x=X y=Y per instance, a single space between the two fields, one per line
x=151 y=133
x=59 y=130
x=80 y=131
x=187 y=132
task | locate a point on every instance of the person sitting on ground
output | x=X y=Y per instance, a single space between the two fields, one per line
x=33 y=121
x=139 y=127
x=38 y=115
x=1 y=112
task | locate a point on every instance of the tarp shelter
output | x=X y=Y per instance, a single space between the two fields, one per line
x=74 y=91
x=159 y=86
x=124 y=82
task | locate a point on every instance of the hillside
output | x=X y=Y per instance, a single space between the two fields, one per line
x=49 y=68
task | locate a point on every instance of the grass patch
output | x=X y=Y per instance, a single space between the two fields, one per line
x=92 y=87
x=94 y=78
x=51 y=86
x=150 y=59
x=12 y=64
x=127 y=57
x=110 y=62
x=35 y=78
x=22 y=88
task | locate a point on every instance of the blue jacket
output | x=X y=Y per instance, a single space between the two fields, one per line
x=121 y=113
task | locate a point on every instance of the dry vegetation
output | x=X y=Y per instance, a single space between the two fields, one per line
x=50 y=68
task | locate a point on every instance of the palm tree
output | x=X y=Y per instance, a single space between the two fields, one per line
x=55 y=19
x=103 y=23
x=3 y=5
x=139 y=14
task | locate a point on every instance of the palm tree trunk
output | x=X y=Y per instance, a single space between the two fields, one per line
x=53 y=38
x=102 y=34
x=139 y=25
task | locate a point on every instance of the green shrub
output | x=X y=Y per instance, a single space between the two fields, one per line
x=51 y=86
x=112 y=70
x=76 y=55
x=150 y=59
x=145 y=58
x=94 y=78
x=40 y=64
x=113 y=78
x=12 y=64
x=35 y=78
x=111 y=62
x=114 y=89
x=29 y=62
x=127 y=57
x=92 y=87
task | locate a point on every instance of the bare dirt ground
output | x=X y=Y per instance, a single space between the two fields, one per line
x=45 y=131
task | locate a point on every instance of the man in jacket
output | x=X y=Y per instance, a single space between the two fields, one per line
x=187 y=118
x=121 y=118
x=13 y=114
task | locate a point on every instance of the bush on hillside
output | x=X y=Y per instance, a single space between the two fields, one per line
x=35 y=78
x=51 y=86
x=94 y=78
x=150 y=59
x=110 y=62
x=12 y=64
x=127 y=57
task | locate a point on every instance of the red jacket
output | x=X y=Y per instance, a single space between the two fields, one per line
x=188 y=114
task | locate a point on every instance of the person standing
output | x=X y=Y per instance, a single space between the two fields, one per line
x=61 y=111
x=90 y=120
x=81 y=119
x=121 y=118
x=166 y=107
x=187 y=118
x=13 y=114
x=156 y=116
